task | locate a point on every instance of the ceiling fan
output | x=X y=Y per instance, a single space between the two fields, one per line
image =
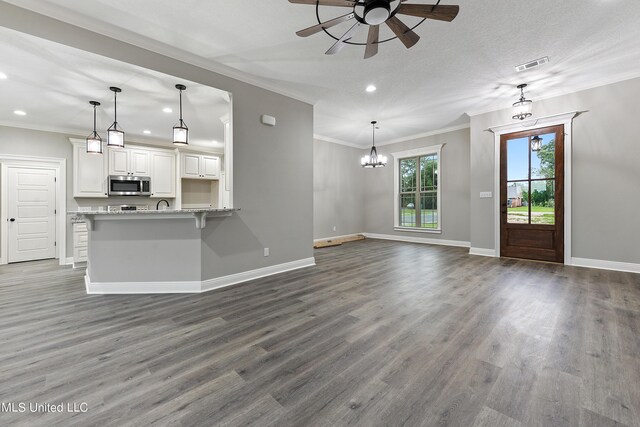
x=374 y=13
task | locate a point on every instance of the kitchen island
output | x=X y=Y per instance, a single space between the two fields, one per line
x=164 y=251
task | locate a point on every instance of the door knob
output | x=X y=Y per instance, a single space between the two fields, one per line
x=12 y=219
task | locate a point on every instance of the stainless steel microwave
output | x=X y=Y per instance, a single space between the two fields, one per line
x=125 y=185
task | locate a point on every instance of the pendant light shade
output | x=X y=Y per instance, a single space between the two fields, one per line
x=115 y=135
x=522 y=108
x=180 y=130
x=94 y=142
x=373 y=159
x=536 y=143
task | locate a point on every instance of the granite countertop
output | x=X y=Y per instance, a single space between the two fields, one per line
x=154 y=212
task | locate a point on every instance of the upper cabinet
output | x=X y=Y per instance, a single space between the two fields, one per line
x=163 y=174
x=89 y=173
x=198 y=166
x=129 y=161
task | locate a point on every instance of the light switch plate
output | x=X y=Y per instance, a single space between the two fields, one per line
x=486 y=194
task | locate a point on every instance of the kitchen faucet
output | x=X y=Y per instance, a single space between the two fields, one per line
x=160 y=201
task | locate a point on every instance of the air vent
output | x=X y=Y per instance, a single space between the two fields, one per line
x=532 y=64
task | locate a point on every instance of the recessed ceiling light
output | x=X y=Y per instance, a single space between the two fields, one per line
x=167 y=110
x=19 y=113
x=146 y=132
x=371 y=88
x=214 y=142
x=3 y=76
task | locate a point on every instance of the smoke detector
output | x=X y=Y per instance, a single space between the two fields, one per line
x=532 y=64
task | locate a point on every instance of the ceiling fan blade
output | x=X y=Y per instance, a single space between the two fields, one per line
x=441 y=13
x=406 y=36
x=328 y=24
x=339 y=3
x=337 y=46
x=372 y=41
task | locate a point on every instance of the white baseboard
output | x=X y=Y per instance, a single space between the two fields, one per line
x=605 y=265
x=245 y=276
x=482 y=252
x=106 y=288
x=413 y=239
x=68 y=261
x=324 y=239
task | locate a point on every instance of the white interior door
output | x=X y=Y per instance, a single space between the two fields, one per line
x=31 y=204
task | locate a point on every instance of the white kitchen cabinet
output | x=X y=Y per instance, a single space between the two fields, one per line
x=129 y=161
x=89 y=173
x=163 y=175
x=198 y=166
x=80 y=243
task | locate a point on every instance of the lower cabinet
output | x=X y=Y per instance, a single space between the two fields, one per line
x=80 y=246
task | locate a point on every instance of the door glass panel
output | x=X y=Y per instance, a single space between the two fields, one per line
x=518 y=159
x=543 y=160
x=543 y=202
x=518 y=202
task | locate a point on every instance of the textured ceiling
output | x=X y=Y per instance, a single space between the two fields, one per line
x=466 y=66
x=53 y=84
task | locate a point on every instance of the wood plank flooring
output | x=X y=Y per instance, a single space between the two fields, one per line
x=377 y=334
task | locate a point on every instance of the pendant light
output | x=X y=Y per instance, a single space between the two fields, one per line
x=180 y=130
x=536 y=143
x=115 y=135
x=522 y=108
x=373 y=160
x=94 y=142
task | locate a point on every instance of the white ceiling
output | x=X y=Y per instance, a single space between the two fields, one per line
x=53 y=84
x=466 y=66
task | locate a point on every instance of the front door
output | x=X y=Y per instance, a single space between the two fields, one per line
x=31 y=197
x=532 y=194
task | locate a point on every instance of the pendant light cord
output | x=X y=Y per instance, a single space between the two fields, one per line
x=94 y=119
x=180 y=105
x=115 y=107
x=373 y=134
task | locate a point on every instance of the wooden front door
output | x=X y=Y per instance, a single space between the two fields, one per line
x=532 y=194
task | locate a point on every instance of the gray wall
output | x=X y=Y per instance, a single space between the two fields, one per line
x=338 y=190
x=605 y=178
x=379 y=191
x=273 y=167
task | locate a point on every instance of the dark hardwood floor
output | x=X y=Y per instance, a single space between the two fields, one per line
x=378 y=333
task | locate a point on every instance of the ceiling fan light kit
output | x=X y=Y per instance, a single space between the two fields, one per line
x=523 y=107
x=374 y=13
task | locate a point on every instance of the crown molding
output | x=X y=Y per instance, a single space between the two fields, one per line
x=426 y=134
x=338 y=141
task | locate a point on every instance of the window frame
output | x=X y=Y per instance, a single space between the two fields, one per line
x=416 y=153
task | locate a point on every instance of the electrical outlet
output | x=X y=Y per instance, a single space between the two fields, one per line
x=335 y=228
x=486 y=194
x=266 y=251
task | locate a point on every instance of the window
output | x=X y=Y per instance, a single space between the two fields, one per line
x=418 y=190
